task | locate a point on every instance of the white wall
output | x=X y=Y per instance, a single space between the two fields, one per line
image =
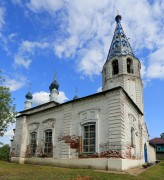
x=151 y=153
x=109 y=110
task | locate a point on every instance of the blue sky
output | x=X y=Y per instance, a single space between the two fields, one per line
x=72 y=38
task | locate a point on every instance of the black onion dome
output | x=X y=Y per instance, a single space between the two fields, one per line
x=29 y=96
x=54 y=85
x=118 y=18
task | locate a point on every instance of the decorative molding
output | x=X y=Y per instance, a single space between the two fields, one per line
x=93 y=109
x=49 y=123
x=33 y=126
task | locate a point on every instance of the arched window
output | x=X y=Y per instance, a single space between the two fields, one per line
x=129 y=66
x=48 y=142
x=115 y=67
x=132 y=137
x=33 y=144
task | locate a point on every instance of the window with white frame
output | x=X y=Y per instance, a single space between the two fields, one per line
x=89 y=137
x=48 y=142
x=158 y=148
x=33 y=143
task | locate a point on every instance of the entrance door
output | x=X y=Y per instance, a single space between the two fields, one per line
x=145 y=153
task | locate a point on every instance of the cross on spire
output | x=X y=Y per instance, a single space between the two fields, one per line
x=55 y=75
x=118 y=12
x=29 y=86
x=76 y=90
x=75 y=97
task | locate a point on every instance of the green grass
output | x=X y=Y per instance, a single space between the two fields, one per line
x=30 y=172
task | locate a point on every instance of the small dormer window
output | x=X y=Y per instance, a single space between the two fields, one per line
x=129 y=66
x=115 y=67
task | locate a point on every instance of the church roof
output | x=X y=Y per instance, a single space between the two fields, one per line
x=120 y=44
x=54 y=104
x=157 y=141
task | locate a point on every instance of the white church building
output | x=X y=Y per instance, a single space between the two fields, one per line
x=105 y=130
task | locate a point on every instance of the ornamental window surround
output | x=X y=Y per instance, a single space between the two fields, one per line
x=89 y=131
x=133 y=130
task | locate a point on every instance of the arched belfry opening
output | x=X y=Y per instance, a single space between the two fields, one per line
x=115 y=67
x=129 y=66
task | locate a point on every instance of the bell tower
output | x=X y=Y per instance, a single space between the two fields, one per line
x=122 y=68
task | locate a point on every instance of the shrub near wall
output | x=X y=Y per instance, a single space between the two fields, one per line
x=4 y=152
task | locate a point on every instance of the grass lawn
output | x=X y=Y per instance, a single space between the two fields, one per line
x=27 y=171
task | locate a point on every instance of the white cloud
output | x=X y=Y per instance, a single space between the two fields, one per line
x=40 y=97
x=9 y=133
x=29 y=46
x=93 y=29
x=26 y=50
x=91 y=62
x=88 y=28
x=16 y=2
x=45 y=5
x=12 y=36
x=2 y=14
x=156 y=64
x=62 y=97
x=143 y=69
x=63 y=48
x=20 y=60
x=43 y=97
x=15 y=82
x=99 y=89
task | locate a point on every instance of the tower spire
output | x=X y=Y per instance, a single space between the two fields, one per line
x=122 y=68
x=120 y=44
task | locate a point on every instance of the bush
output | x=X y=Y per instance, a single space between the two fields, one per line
x=157 y=161
x=144 y=165
x=4 y=152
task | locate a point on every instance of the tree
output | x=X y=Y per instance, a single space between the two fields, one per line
x=5 y=152
x=7 y=108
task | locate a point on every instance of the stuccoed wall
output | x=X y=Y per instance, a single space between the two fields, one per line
x=151 y=153
x=132 y=83
x=132 y=118
x=109 y=110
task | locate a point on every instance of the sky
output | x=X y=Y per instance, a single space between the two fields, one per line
x=71 y=38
